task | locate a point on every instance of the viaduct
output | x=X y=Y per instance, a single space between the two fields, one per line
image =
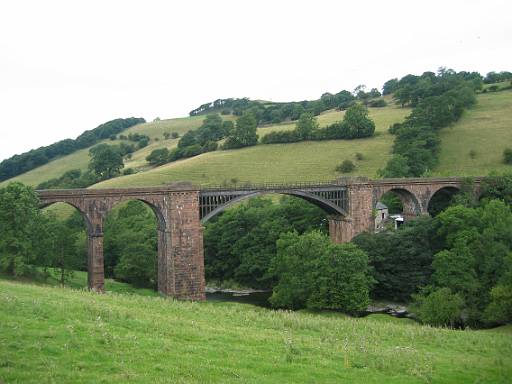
x=181 y=209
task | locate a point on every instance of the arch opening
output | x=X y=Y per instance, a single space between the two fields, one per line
x=67 y=231
x=395 y=207
x=441 y=199
x=130 y=244
x=240 y=242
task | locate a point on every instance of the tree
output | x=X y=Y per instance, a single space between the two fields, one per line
x=106 y=161
x=346 y=167
x=314 y=273
x=507 y=156
x=244 y=134
x=62 y=248
x=21 y=229
x=441 y=307
x=158 y=156
x=306 y=126
x=397 y=166
x=390 y=86
x=357 y=121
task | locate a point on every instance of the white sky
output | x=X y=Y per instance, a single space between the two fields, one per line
x=68 y=66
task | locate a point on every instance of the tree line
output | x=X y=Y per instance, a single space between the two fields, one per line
x=437 y=100
x=27 y=161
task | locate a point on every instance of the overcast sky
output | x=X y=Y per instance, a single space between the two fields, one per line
x=68 y=66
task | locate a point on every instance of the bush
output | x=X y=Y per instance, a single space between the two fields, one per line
x=472 y=154
x=359 y=156
x=158 y=156
x=439 y=308
x=112 y=137
x=166 y=135
x=346 y=167
x=377 y=103
x=507 y=156
x=175 y=135
x=128 y=171
x=280 y=137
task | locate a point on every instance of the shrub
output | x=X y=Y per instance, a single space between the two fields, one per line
x=439 y=308
x=166 y=135
x=346 y=167
x=128 y=171
x=112 y=137
x=175 y=135
x=158 y=156
x=472 y=154
x=507 y=156
x=359 y=156
x=280 y=137
x=377 y=103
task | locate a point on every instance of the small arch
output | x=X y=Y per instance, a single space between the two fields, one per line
x=161 y=222
x=441 y=199
x=410 y=204
x=88 y=223
x=326 y=205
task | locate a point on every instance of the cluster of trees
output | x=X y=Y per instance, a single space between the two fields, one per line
x=497 y=77
x=355 y=124
x=19 y=164
x=206 y=137
x=106 y=161
x=141 y=139
x=437 y=101
x=272 y=113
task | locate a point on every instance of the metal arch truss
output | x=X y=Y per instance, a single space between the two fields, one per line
x=331 y=197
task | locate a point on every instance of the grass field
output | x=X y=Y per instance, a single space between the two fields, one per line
x=61 y=335
x=487 y=129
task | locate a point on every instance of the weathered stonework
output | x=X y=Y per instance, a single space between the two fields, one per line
x=180 y=232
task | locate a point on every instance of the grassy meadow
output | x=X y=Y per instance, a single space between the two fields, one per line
x=50 y=334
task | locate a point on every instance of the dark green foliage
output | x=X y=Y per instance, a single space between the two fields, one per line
x=21 y=229
x=401 y=260
x=359 y=156
x=131 y=244
x=306 y=126
x=128 y=171
x=346 y=166
x=497 y=77
x=158 y=156
x=437 y=101
x=507 y=156
x=390 y=86
x=440 y=308
x=393 y=202
x=498 y=187
x=377 y=103
x=106 y=161
x=280 y=137
x=19 y=164
x=175 y=135
x=240 y=243
x=358 y=123
x=314 y=273
x=244 y=134
x=397 y=166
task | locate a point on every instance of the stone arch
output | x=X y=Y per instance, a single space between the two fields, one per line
x=88 y=222
x=411 y=203
x=324 y=204
x=448 y=191
x=155 y=206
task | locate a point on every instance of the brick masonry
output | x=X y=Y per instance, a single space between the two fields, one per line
x=180 y=232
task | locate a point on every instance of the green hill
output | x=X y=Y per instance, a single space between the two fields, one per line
x=486 y=129
x=61 y=335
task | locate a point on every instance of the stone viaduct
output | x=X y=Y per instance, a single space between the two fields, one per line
x=181 y=209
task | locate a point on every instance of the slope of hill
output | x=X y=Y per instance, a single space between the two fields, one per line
x=130 y=338
x=484 y=129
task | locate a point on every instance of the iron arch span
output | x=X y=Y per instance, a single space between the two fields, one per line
x=212 y=205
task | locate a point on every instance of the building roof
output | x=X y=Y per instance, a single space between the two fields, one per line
x=381 y=206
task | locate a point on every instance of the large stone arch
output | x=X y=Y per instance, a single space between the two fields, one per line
x=88 y=223
x=156 y=203
x=442 y=189
x=329 y=207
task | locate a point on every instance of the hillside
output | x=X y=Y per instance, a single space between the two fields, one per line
x=485 y=129
x=119 y=338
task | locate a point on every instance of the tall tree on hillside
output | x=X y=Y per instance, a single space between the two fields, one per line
x=244 y=134
x=306 y=126
x=106 y=161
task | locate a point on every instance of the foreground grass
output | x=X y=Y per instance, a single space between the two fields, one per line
x=60 y=335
